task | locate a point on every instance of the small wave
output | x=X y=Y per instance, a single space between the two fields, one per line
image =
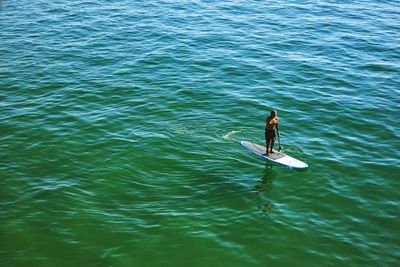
x=124 y=139
x=380 y=67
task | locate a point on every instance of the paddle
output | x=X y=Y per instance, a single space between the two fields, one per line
x=280 y=149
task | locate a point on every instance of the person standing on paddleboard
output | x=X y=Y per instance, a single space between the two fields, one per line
x=271 y=123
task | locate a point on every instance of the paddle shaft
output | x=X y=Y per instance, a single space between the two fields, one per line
x=279 y=140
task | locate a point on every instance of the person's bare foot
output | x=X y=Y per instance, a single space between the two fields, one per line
x=271 y=152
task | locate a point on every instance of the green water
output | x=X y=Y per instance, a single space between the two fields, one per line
x=121 y=122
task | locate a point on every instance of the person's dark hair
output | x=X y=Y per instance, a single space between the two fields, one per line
x=274 y=112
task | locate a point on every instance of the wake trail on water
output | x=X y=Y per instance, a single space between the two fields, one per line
x=229 y=136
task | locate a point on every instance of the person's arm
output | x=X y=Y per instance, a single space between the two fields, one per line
x=272 y=121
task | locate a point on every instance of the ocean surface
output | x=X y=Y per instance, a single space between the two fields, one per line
x=121 y=121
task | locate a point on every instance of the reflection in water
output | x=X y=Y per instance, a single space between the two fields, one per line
x=263 y=188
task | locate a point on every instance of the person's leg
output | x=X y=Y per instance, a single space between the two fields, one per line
x=267 y=141
x=272 y=145
x=268 y=144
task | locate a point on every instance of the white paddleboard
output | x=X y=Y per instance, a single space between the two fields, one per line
x=277 y=157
